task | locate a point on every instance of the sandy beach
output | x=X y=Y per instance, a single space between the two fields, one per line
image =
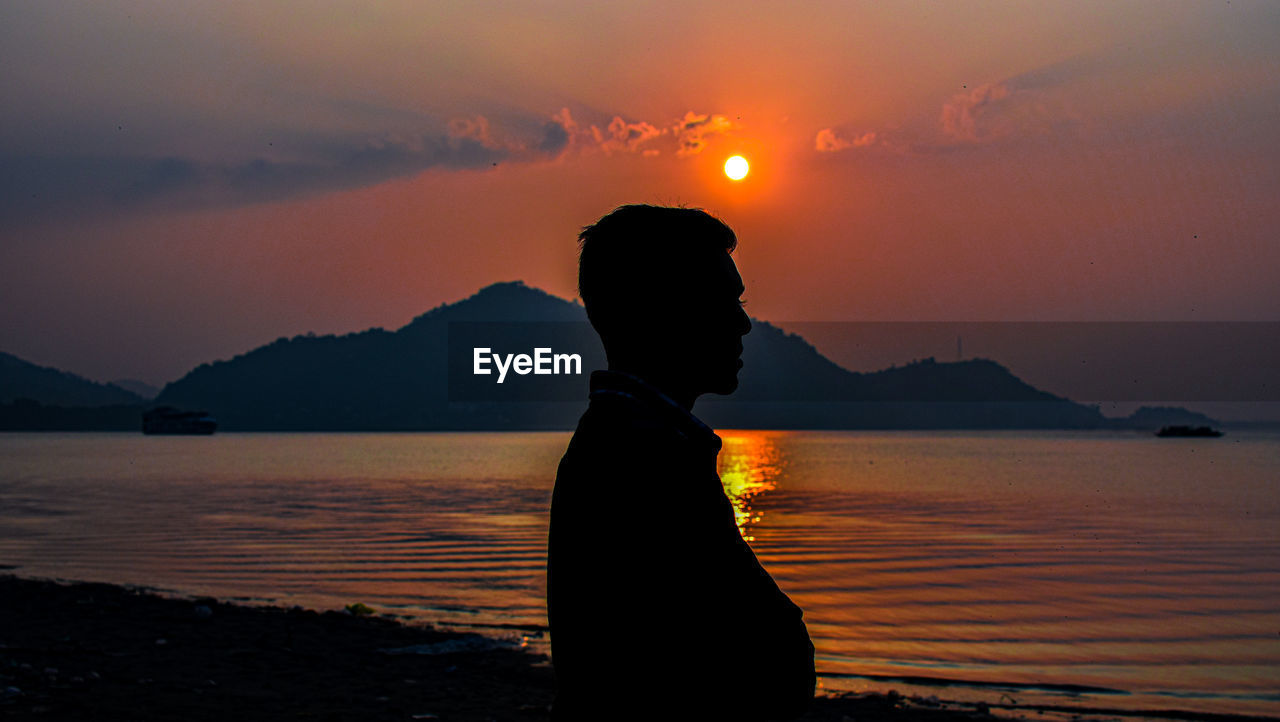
x=80 y=651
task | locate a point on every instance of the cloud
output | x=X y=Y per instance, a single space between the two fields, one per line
x=830 y=140
x=621 y=135
x=34 y=187
x=685 y=137
x=693 y=130
x=1046 y=102
x=60 y=184
x=555 y=138
x=962 y=114
x=560 y=133
x=565 y=119
x=475 y=128
x=1049 y=100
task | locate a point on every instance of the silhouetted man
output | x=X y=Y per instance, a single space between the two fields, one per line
x=658 y=608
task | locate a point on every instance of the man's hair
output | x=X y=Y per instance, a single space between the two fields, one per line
x=642 y=257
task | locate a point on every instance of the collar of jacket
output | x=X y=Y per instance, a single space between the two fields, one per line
x=628 y=386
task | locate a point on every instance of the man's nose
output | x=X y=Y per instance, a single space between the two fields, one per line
x=744 y=325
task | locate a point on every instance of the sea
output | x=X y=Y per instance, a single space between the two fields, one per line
x=1090 y=570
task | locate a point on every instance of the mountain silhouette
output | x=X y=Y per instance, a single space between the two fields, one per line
x=419 y=377
x=21 y=379
x=40 y=398
x=371 y=380
x=141 y=388
x=400 y=380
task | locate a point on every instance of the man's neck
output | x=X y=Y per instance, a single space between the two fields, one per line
x=677 y=392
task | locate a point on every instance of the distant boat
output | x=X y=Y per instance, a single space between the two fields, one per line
x=170 y=420
x=1185 y=431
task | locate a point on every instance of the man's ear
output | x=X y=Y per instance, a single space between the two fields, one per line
x=640 y=339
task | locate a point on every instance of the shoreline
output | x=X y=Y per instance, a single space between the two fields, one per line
x=81 y=650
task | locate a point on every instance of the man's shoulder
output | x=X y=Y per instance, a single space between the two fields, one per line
x=616 y=440
x=614 y=421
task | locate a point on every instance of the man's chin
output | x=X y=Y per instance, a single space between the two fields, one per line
x=726 y=384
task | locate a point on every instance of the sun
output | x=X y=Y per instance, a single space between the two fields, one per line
x=736 y=167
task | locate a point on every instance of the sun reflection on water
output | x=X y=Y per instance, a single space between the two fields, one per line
x=749 y=465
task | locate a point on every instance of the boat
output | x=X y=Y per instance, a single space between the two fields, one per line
x=171 y=420
x=1187 y=431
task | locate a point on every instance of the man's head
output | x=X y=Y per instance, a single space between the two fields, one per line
x=662 y=291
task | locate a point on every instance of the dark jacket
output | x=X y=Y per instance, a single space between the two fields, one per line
x=658 y=608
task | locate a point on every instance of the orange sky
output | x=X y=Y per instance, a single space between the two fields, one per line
x=183 y=182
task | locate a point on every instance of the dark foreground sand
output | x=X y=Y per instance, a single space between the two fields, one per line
x=103 y=652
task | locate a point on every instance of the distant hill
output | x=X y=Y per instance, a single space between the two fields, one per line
x=1154 y=417
x=389 y=380
x=374 y=379
x=141 y=388
x=21 y=379
x=419 y=377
